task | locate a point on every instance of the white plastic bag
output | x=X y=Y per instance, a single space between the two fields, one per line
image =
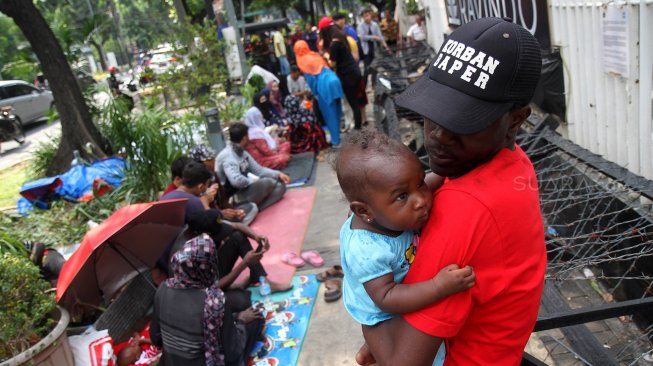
x=93 y=348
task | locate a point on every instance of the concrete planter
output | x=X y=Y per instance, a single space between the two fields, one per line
x=52 y=350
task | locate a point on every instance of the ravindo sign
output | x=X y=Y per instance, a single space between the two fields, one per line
x=530 y=14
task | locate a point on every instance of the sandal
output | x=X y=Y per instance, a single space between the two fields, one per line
x=333 y=272
x=333 y=290
x=291 y=258
x=313 y=257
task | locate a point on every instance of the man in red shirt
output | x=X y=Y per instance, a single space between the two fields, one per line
x=486 y=215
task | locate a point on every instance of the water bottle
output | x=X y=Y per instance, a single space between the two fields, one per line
x=264 y=289
x=77 y=158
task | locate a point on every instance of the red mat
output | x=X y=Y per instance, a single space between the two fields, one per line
x=285 y=224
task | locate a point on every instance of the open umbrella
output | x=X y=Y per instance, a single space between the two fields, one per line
x=129 y=242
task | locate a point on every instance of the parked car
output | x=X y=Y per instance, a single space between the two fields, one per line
x=162 y=62
x=30 y=104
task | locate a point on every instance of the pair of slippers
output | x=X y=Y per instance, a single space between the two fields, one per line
x=332 y=278
x=311 y=256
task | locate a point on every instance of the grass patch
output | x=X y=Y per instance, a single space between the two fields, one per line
x=10 y=181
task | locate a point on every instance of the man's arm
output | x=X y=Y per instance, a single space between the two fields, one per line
x=362 y=33
x=377 y=31
x=232 y=173
x=395 y=342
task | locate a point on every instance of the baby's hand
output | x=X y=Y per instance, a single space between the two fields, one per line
x=452 y=279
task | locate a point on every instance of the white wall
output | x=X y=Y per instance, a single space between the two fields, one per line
x=608 y=114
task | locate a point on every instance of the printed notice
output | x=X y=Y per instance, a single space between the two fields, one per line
x=615 y=40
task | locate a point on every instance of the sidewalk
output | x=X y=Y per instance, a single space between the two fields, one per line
x=333 y=337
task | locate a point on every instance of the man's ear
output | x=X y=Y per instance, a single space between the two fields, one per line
x=361 y=210
x=517 y=118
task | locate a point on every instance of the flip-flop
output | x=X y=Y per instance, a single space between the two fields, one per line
x=313 y=257
x=332 y=272
x=291 y=259
x=332 y=290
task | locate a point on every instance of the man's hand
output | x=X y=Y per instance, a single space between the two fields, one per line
x=263 y=240
x=284 y=178
x=233 y=214
x=452 y=279
x=252 y=257
x=209 y=195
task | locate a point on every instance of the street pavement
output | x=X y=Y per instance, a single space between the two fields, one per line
x=36 y=133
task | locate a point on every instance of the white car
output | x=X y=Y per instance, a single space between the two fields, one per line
x=162 y=62
x=30 y=104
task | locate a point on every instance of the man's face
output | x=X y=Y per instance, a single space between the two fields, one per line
x=452 y=155
x=418 y=20
x=294 y=75
x=340 y=23
x=308 y=27
x=367 y=17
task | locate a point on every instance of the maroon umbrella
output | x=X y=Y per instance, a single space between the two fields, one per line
x=129 y=242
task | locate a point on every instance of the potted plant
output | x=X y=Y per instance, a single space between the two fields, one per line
x=33 y=328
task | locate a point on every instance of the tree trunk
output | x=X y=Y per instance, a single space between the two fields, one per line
x=77 y=128
x=100 y=51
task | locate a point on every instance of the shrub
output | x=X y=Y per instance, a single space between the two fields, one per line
x=43 y=156
x=24 y=305
x=9 y=244
x=149 y=141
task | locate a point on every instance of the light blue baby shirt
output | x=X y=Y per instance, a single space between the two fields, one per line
x=365 y=256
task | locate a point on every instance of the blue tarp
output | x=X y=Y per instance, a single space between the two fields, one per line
x=71 y=185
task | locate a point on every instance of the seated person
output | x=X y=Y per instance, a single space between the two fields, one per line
x=233 y=244
x=234 y=166
x=244 y=212
x=296 y=83
x=269 y=151
x=138 y=351
x=176 y=169
x=48 y=260
x=190 y=307
x=195 y=187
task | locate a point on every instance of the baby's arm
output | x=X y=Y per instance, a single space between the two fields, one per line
x=397 y=298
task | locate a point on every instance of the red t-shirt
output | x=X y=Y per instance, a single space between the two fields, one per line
x=489 y=219
x=170 y=188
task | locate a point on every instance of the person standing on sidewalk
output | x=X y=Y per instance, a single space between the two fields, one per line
x=342 y=61
x=369 y=34
x=474 y=99
x=390 y=29
x=280 y=52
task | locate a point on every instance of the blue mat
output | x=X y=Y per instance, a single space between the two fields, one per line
x=287 y=316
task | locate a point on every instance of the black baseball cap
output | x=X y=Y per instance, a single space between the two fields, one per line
x=484 y=69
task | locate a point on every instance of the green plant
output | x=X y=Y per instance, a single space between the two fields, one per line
x=200 y=66
x=248 y=92
x=149 y=141
x=232 y=110
x=43 y=156
x=24 y=305
x=257 y=82
x=9 y=244
x=411 y=7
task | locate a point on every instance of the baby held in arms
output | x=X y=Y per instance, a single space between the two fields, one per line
x=384 y=183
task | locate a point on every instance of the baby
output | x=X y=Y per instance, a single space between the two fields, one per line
x=384 y=184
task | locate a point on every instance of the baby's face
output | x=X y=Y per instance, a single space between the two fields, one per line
x=398 y=197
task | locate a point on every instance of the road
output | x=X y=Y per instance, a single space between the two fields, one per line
x=13 y=153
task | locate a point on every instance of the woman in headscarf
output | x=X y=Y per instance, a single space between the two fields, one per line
x=305 y=133
x=271 y=116
x=324 y=84
x=192 y=321
x=275 y=97
x=267 y=150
